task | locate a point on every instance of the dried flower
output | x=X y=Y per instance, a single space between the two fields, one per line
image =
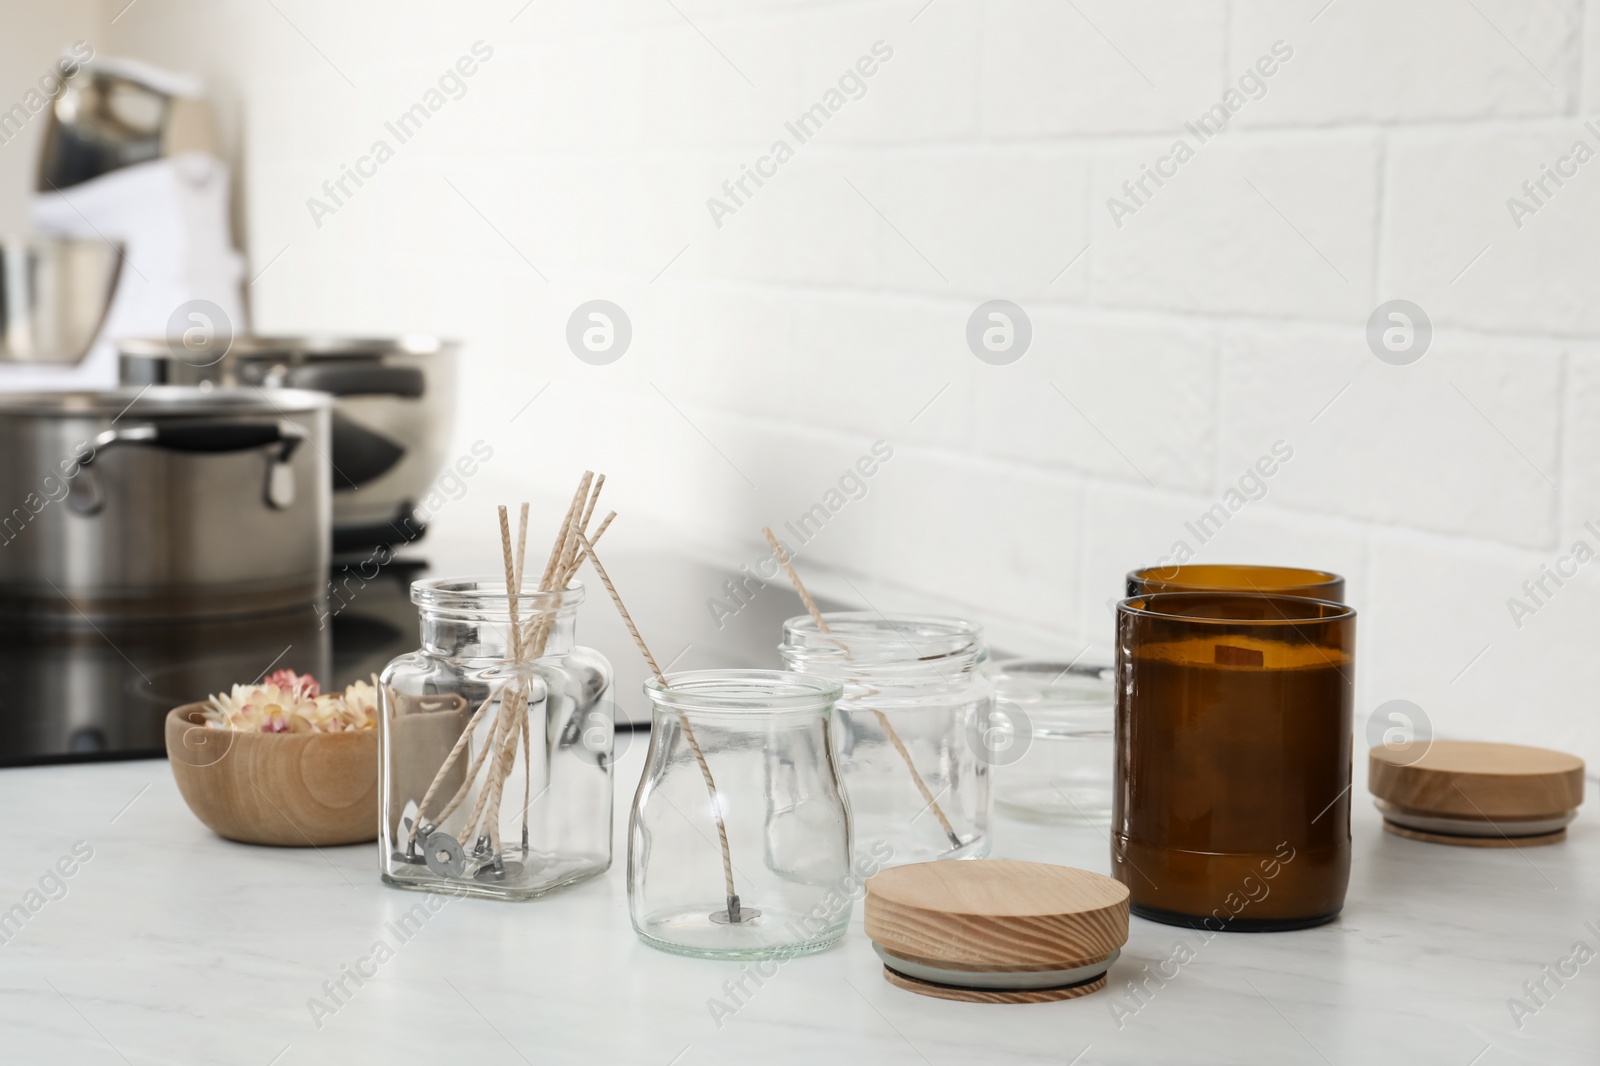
x=302 y=685
x=287 y=702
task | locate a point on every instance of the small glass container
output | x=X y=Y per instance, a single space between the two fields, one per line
x=1233 y=748
x=547 y=821
x=1055 y=762
x=778 y=829
x=912 y=728
x=1205 y=577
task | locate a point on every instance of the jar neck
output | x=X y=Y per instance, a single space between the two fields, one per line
x=1042 y=683
x=731 y=699
x=667 y=718
x=462 y=635
x=952 y=669
x=470 y=618
x=909 y=652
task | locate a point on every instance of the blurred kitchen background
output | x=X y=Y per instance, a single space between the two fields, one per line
x=1178 y=334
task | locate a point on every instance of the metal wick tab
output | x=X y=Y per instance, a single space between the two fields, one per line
x=735 y=914
x=444 y=856
x=411 y=856
x=498 y=870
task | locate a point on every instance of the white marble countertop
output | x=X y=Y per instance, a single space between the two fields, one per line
x=171 y=945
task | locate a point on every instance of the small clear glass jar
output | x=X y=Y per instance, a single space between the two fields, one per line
x=764 y=738
x=1054 y=763
x=542 y=818
x=911 y=728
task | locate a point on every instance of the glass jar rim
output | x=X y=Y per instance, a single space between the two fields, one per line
x=1054 y=679
x=1283 y=577
x=1037 y=666
x=871 y=638
x=483 y=595
x=1286 y=610
x=743 y=692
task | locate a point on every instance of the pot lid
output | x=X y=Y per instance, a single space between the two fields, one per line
x=164 y=401
x=307 y=346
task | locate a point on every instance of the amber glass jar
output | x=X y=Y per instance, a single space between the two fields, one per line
x=1277 y=580
x=1231 y=804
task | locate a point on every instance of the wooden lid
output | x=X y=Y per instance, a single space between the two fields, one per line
x=1475 y=779
x=996 y=914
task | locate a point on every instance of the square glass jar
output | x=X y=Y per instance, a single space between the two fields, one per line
x=450 y=818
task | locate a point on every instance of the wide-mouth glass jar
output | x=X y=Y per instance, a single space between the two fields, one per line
x=1054 y=764
x=1233 y=747
x=496 y=761
x=1229 y=577
x=913 y=726
x=739 y=841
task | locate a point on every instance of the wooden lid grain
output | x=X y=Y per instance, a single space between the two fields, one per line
x=1476 y=779
x=996 y=914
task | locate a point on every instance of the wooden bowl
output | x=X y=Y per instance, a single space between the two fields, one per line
x=288 y=789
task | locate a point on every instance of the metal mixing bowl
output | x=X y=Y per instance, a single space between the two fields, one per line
x=54 y=295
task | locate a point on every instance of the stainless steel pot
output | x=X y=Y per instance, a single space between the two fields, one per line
x=163 y=502
x=391 y=423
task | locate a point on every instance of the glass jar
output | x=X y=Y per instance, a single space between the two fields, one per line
x=912 y=728
x=1055 y=763
x=521 y=750
x=1232 y=792
x=739 y=842
x=1200 y=577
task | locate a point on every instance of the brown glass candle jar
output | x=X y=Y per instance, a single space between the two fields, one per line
x=1231 y=802
x=1276 y=580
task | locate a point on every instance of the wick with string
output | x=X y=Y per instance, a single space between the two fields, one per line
x=888 y=728
x=767 y=736
x=735 y=913
x=913 y=718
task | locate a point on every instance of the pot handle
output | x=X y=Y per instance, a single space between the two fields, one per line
x=198 y=436
x=87 y=496
x=358 y=379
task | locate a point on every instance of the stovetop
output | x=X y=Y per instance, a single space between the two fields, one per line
x=103 y=693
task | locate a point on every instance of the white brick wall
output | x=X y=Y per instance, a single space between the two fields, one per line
x=1226 y=313
x=1367 y=61
x=1282 y=225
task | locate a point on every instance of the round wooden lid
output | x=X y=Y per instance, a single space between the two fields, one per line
x=1476 y=779
x=996 y=914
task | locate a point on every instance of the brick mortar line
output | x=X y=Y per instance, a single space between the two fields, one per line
x=1344 y=523
x=1092 y=313
x=980 y=144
